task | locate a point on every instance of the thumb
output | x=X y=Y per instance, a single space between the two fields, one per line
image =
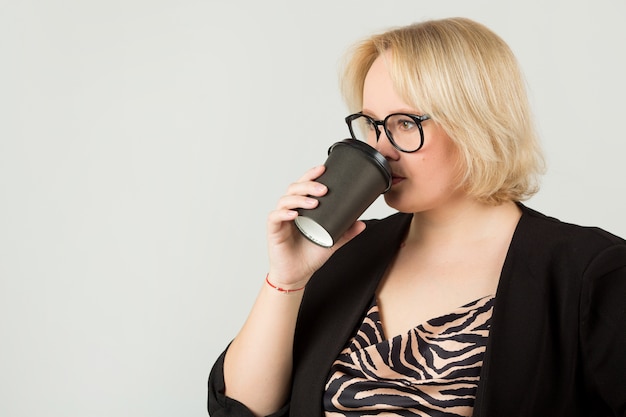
x=350 y=234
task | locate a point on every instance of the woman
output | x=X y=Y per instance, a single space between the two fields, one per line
x=463 y=303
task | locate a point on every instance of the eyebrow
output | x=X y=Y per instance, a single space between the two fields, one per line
x=367 y=113
x=406 y=110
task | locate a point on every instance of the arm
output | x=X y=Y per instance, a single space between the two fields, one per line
x=603 y=329
x=258 y=364
x=221 y=406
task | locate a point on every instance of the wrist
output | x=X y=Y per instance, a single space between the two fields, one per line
x=283 y=288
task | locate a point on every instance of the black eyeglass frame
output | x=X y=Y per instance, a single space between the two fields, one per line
x=416 y=118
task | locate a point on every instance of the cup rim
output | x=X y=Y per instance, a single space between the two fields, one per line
x=380 y=160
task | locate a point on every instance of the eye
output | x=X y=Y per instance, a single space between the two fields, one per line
x=405 y=124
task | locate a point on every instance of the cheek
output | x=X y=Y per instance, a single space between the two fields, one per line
x=440 y=168
x=456 y=163
x=447 y=153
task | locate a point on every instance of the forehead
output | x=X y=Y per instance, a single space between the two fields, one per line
x=379 y=92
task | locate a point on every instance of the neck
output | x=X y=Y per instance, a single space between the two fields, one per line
x=464 y=222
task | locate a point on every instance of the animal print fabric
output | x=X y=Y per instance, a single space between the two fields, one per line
x=433 y=370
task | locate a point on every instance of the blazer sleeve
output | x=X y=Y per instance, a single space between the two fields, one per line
x=219 y=405
x=603 y=329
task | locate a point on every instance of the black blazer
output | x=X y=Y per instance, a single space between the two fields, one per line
x=557 y=342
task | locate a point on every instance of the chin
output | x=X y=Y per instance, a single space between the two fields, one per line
x=396 y=202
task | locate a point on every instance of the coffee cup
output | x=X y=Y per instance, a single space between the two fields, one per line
x=356 y=174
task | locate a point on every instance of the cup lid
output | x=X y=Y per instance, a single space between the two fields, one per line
x=376 y=156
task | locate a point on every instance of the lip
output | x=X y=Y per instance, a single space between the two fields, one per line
x=395 y=179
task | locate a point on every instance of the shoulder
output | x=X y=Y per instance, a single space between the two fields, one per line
x=554 y=230
x=391 y=225
x=548 y=239
x=364 y=257
x=379 y=240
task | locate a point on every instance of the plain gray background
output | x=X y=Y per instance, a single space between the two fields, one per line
x=142 y=144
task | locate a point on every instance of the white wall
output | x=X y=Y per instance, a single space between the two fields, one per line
x=142 y=144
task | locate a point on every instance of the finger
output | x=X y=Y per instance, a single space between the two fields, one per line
x=277 y=218
x=312 y=188
x=306 y=184
x=312 y=173
x=290 y=202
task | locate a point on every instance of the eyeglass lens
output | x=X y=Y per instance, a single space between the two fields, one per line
x=404 y=131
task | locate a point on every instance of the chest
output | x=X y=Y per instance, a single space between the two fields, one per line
x=420 y=286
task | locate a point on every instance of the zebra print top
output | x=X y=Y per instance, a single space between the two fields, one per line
x=433 y=370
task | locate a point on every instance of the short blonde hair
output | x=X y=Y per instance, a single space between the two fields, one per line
x=466 y=78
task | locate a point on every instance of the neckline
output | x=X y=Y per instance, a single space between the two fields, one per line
x=385 y=338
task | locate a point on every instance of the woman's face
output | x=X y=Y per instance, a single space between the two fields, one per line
x=423 y=180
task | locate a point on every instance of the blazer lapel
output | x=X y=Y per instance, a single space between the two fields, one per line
x=334 y=304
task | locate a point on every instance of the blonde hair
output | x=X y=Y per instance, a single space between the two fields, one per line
x=466 y=78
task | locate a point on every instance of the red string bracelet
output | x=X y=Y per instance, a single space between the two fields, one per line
x=283 y=290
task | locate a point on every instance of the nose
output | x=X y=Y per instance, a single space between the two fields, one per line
x=385 y=147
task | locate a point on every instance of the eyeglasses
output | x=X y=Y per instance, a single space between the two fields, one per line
x=403 y=130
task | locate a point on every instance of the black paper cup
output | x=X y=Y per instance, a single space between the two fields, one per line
x=356 y=174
